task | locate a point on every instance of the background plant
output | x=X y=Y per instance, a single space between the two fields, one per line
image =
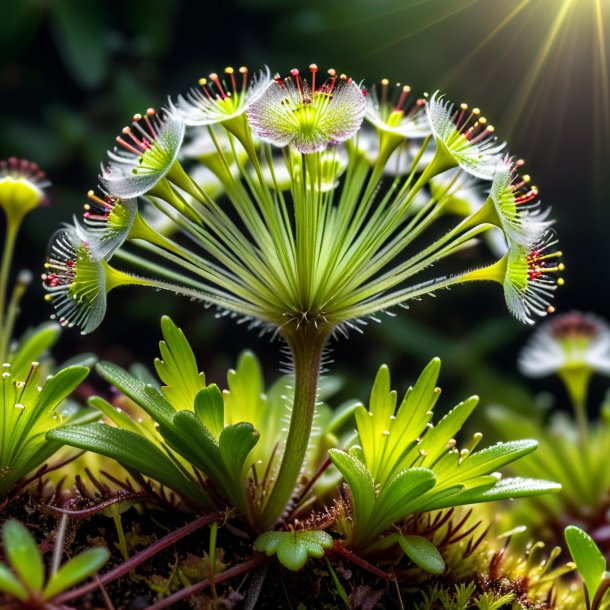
x=574 y=346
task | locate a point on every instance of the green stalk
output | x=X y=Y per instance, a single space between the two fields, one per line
x=306 y=342
x=12 y=228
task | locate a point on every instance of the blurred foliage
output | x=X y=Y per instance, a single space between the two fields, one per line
x=72 y=72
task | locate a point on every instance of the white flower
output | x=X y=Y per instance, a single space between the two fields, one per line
x=220 y=99
x=514 y=199
x=464 y=138
x=573 y=340
x=308 y=118
x=393 y=112
x=148 y=149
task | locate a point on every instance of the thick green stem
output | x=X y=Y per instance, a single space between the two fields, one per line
x=12 y=228
x=306 y=342
x=576 y=381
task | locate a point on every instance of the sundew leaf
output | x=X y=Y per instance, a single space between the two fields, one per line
x=391 y=434
x=193 y=441
x=10 y=584
x=131 y=450
x=488 y=460
x=210 y=409
x=422 y=553
x=144 y=395
x=235 y=443
x=504 y=489
x=177 y=367
x=75 y=571
x=293 y=549
x=588 y=558
x=434 y=443
x=32 y=346
x=360 y=481
x=395 y=495
x=23 y=555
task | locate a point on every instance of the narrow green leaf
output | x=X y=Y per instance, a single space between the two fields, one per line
x=422 y=553
x=132 y=450
x=489 y=460
x=144 y=395
x=405 y=486
x=191 y=439
x=32 y=346
x=588 y=558
x=75 y=571
x=504 y=489
x=210 y=409
x=435 y=440
x=59 y=386
x=235 y=443
x=117 y=417
x=10 y=584
x=23 y=555
x=359 y=480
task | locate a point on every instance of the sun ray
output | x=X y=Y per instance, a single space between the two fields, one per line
x=427 y=25
x=524 y=93
x=499 y=27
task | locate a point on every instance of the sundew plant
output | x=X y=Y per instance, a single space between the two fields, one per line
x=304 y=205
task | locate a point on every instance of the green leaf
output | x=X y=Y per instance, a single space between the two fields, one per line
x=132 y=450
x=434 y=443
x=177 y=367
x=422 y=553
x=75 y=571
x=23 y=555
x=10 y=584
x=504 y=489
x=489 y=460
x=191 y=439
x=294 y=548
x=210 y=409
x=392 y=502
x=588 y=558
x=360 y=481
x=235 y=443
x=32 y=346
x=144 y=395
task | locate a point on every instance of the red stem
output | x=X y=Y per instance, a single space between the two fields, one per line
x=365 y=565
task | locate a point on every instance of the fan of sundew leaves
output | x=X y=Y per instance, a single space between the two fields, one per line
x=405 y=464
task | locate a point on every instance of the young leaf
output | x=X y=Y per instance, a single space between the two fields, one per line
x=394 y=496
x=235 y=444
x=75 y=571
x=210 y=409
x=360 y=481
x=146 y=396
x=422 y=553
x=177 y=367
x=23 y=555
x=588 y=558
x=294 y=548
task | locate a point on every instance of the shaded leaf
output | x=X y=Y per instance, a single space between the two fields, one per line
x=76 y=570
x=23 y=555
x=422 y=553
x=588 y=558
